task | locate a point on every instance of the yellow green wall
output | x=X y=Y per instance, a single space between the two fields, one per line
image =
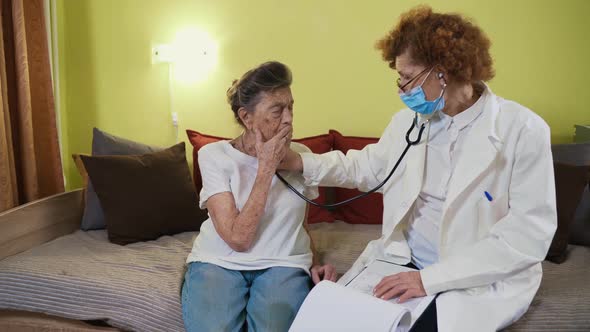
x=107 y=78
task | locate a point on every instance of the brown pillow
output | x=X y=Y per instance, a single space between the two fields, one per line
x=570 y=181
x=145 y=196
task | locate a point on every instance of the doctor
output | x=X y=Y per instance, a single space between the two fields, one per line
x=472 y=206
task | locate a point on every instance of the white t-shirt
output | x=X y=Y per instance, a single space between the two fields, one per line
x=280 y=238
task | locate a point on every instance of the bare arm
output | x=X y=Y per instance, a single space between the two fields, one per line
x=238 y=228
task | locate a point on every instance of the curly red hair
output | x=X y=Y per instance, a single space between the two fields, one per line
x=448 y=40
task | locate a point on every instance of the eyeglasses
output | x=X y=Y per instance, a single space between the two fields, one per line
x=403 y=87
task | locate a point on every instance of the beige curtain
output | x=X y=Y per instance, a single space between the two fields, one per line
x=30 y=163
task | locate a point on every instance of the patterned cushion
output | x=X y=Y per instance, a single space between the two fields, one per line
x=340 y=243
x=561 y=304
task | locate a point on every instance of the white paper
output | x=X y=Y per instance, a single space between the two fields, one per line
x=333 y=307
x=351 y=306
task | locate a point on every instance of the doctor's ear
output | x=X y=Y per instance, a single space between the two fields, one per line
x=441 y=77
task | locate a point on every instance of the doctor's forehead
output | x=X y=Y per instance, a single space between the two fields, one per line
x=405 y=65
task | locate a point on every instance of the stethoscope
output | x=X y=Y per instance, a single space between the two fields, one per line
x=409 y=142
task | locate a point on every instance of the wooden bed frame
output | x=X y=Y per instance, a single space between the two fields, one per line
x=30 y=225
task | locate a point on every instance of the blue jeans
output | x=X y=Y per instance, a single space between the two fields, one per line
x=218 y=299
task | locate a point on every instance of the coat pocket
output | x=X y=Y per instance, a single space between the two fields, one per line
x=490 y=212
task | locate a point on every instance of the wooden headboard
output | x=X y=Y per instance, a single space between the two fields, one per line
x=32 y=224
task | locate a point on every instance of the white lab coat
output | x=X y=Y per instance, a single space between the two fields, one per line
x=490 y=253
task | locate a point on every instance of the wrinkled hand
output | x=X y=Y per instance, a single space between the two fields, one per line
x=323 y=272
x=406 y=285
x=272 y=152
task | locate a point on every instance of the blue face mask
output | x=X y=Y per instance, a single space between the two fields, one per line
x=415 y=99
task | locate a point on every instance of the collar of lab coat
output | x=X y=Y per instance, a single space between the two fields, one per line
x=479 y=151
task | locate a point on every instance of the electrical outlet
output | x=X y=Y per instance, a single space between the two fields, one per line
x=175 y=119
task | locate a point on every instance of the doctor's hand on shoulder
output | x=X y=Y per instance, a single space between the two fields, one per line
x=291 y=162
x=323 y=272
x=405 y=285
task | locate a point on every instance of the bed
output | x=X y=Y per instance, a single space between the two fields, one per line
x=78 y=281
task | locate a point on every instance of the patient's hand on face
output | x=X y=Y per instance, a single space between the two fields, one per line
x=271 y=152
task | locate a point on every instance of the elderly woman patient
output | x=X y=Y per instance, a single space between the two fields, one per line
x=252 y=260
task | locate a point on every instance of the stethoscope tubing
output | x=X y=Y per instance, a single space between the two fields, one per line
x=409 y=142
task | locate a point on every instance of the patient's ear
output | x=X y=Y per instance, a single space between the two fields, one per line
x=246 y=117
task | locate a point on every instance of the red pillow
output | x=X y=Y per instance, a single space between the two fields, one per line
x=367 y=210
x=317 y=144
x=198 y=141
